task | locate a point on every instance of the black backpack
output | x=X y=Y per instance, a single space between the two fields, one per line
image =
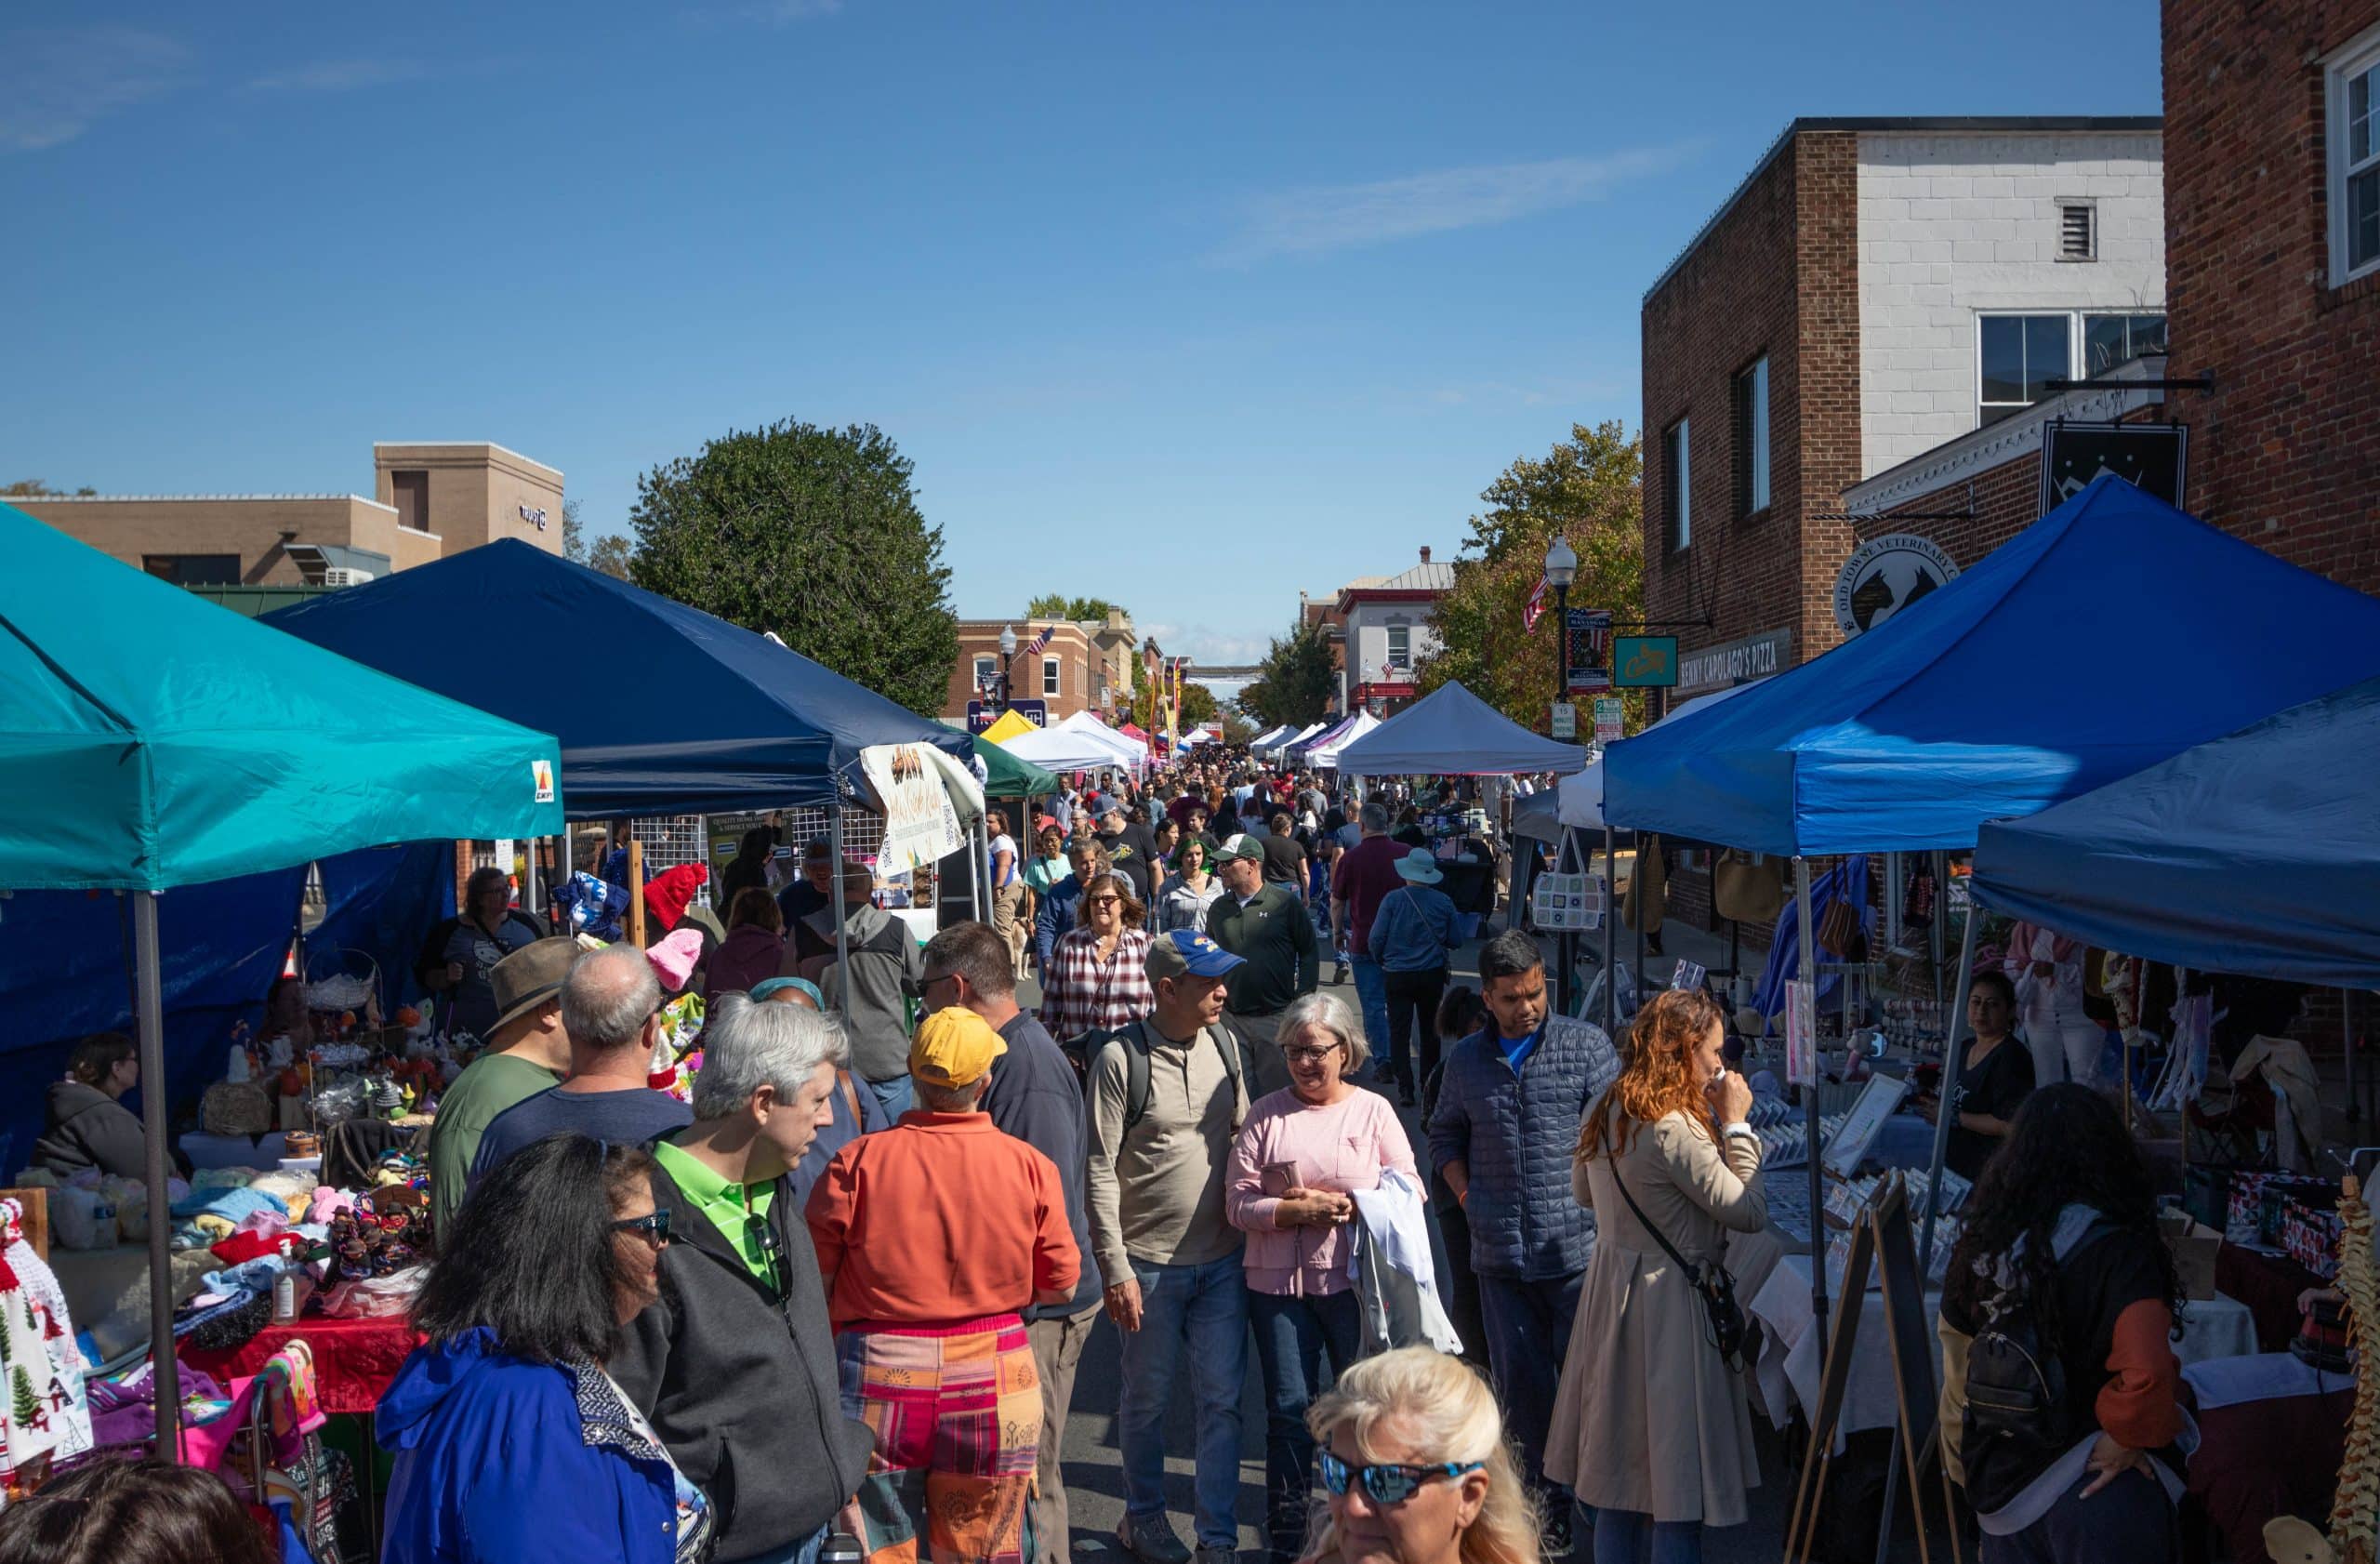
x=2017 y=1421
x=1084 y=1049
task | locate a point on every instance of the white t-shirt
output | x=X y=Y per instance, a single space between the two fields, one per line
x=1002 y=843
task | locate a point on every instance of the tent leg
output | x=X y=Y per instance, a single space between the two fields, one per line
x=1953 y=1062
x=1810 y=1104
x=150 y=1017
x=842 y=941
x=1610 y=917
x=2346 y=1041
x=982 y=838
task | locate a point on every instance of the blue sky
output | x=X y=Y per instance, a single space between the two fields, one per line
x=1185 y=305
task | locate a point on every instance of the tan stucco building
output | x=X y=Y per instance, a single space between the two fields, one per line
x=429 y=499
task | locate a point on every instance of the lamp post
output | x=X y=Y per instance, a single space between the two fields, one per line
x=1561 y=569
x=1008 y=660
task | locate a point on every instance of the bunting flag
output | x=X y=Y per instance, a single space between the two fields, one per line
x=1536 y=609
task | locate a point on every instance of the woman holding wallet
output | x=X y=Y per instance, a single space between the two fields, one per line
x=1304 y=1151
x=1649 y=1427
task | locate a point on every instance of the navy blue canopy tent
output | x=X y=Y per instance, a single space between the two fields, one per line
x=660 y=709
x=2108 y=635
x=2258 y=853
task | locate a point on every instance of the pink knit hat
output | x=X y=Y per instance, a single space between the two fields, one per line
x=673 y=959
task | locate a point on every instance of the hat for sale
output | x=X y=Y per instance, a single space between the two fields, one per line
x=1418 y=867
x=530 y=977
x=1240 y=845
x=1186 y=952
x=954 y=1047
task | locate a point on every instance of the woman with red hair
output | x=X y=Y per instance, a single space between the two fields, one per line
x=1650 y=1427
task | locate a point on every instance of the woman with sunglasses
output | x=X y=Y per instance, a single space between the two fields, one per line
x=512 y=1443
x=1649 y=1427
x=1096 y=977
x=734 y=1363
x=1417 y=1469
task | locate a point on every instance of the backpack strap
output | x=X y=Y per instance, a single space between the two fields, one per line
x=1134 y=1042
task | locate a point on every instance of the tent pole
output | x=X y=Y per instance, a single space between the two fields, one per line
x=982 y=839
x=150 y=1018
x=2346 y=1044
x=1818 y=1181
x=842 y=939
x=1953 y=1062
x=1610 y=916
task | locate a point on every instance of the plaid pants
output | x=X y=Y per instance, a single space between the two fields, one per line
x=956 y=1414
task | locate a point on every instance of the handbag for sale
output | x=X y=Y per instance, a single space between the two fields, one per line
x=1564 y=898
x=1840 y=934
x=1728 y=1328
x=1748 y=887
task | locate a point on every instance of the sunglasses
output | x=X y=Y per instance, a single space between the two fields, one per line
x=1389 y=1485
x=1107 y=901
x=763 y=1239
x=653 y=1228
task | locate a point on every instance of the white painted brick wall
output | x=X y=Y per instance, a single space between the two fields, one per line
x=1951 y=225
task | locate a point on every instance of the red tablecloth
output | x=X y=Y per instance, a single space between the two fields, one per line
x=354 y=1359
x=2262 y=1459
x=2268 y=1284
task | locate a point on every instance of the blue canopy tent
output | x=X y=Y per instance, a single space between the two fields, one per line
x=2108 y=635
x=2258 y=853
x=684 y=713
x=1451 y=732
x=150 y=741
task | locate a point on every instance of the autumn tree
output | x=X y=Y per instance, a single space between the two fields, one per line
x=1589 y=489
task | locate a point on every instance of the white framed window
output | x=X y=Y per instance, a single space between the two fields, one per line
x=1678 y=487
x=1400 y=646
x=1752 y=438
x=2017 y=355
x=2353 y=121
x=987 y=670
x=1050 y=677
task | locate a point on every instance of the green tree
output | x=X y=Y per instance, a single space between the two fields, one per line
x=1057 y=605
x=611 y=555
x=1589 y=489
x=574 y=542
x=1296 y=681
x=34 y=488
x=814 y=533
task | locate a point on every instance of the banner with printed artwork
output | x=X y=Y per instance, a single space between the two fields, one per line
x=922 y=825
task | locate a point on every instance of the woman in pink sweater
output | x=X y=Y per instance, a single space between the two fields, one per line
x=1304 y=1151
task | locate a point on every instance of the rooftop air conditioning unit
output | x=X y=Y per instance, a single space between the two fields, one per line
x=342 y=576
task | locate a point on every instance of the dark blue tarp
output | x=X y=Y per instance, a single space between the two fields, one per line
x=1452 y=732
x=221 y=946
x=2256 y=853
x=2111 y=633
x=660 y=709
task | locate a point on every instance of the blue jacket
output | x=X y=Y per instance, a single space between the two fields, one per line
x=1516 y=1135
x=495 y=1465
x=1414 y=929
x=1056 y=919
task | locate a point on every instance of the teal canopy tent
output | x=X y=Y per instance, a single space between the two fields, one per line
x=150 y=740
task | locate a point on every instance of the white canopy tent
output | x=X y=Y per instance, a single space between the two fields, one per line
x=1322 y=758
x=1061 y=748
x=1123 y=749
x=1581 y=792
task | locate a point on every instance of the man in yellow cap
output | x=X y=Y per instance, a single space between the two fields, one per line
x=933 y=1236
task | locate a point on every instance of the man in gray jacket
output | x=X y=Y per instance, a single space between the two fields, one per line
x=874 y=1001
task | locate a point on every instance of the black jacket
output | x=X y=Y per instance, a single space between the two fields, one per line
x=90 y=1129
x=742 y=1385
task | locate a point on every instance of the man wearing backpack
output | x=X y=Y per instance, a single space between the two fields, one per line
x=1167 y=1093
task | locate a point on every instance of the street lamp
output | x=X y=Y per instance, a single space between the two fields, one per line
x=1561 y=569
x=1007 y=659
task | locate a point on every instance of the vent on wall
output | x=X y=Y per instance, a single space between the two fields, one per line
x=2077 y=231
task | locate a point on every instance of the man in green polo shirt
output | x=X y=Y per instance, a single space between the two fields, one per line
x=527 y=1053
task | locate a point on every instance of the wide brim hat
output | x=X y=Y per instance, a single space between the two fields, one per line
x=530 y=977
x=1418 y=867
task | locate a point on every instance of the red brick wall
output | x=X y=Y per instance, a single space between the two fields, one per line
x=2285 y=452
x=1777 y=273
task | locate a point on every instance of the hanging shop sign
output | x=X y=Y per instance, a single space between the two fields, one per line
x=2154 y=458
x=1735 y=662
x=1644 y=662
x=1586 y=657
x=1884 y=575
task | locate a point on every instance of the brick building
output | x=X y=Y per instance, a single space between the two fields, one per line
x=1070 y=673
x=1873 y=287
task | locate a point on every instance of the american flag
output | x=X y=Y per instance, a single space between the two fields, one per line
x=1536 y=609
x=1040 y=640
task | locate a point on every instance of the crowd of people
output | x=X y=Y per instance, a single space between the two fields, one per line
x=845 y=1292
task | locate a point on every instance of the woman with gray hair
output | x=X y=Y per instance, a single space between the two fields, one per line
x=1303 y=1153
x=735 y=1355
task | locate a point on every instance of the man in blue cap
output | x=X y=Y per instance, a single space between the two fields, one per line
x=1167 y=1093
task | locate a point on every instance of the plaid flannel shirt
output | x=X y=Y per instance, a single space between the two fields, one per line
x=1081 y=991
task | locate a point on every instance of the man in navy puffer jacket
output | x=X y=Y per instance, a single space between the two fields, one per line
x=1503 y=1133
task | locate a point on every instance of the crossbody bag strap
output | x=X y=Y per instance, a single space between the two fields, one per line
x=1646 y=1223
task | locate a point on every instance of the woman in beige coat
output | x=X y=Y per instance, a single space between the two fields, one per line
x=1650 y=1427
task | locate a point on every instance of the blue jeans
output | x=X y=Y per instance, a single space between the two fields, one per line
x=1371 y=994
x=895 y=1096
x=1620 y=1538
x=1528 y=1332
x=803 y=1552
x=1293 y=1337
x=1202 y=1309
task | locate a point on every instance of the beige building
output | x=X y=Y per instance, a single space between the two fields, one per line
x=431 y=499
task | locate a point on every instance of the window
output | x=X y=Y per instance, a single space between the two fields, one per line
x=1751 y=439
x=2354 y=122
x=1050 y=677
x=410 y=493
x=1677 y=505
x=193 y=570
x=1400 y=646
x=2077 y=231
x=2015 y=355
x=987 y=670
x=2112 y=340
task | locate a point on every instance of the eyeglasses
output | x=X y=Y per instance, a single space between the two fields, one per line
x=1107 y=901
x=1390 y=1484
x=653 y=1228
x=1308 y=1055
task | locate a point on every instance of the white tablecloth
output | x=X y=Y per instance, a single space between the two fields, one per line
x=1792 y=1358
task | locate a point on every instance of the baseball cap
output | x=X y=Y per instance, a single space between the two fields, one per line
x=954 y=1047
x=1109 y=806
x=1241 y=845
x=1186 y=952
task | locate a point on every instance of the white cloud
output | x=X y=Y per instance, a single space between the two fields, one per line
x=1205 y=644
x=1315 y=219
x=340 y=76
x=55 y=84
